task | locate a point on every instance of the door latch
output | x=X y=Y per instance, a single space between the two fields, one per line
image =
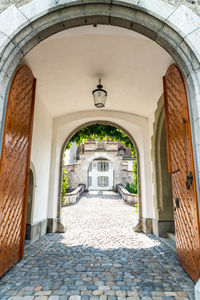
x=189 y=179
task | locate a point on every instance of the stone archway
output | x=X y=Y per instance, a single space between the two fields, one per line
x=31 y=24
x=141 y=226
x=160 y=21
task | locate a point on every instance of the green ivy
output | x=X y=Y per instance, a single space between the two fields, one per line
x=65 y=184
x=133 y=187
x=101 y=132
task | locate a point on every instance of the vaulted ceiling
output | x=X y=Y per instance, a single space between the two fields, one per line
x=68 y=65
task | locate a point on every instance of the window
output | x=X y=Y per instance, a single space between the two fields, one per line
x=103 y=181
x=103 y=166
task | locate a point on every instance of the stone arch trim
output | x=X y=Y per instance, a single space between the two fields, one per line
x=35 y=21
x=102 y=156
x=60 y=227
x=23 y=28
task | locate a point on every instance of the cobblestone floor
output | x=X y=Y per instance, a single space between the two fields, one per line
x=99 y=257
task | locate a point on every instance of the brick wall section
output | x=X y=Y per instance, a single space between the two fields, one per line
x=193 y=4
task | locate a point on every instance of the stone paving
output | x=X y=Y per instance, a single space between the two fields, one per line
x=99 y=257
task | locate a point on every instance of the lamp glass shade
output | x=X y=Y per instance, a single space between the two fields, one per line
x=99 y=96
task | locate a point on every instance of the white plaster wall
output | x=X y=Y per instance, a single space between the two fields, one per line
x=151 y=123
x=41 y=157
x=137 y=126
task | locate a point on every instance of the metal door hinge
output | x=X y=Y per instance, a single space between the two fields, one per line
x=189 y=179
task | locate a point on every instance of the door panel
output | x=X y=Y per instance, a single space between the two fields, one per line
x=181 y=166
x=14 y=167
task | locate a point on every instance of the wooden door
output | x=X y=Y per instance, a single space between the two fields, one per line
x=14 y=167
x=181 y=168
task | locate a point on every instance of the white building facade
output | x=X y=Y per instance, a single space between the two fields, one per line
x=99 y=165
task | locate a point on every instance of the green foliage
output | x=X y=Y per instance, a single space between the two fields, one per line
x=65 y=184
x=136 y=208
x=132 y=188
x=101 y=132
x=135 y=184
x=63 y=202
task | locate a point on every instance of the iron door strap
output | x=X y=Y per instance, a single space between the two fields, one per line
x=178 y=170
x=189 y=179
x=189 y=176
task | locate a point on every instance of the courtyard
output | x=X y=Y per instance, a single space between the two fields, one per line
x=98 y=257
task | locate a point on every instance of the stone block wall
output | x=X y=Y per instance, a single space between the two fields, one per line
x=192 y=4
x=78 y=173
x=5 y=3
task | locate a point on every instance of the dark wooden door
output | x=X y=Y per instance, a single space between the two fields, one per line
x=181 y=168
x=14 y=167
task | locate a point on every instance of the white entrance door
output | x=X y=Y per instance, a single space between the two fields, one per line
x=100 y=175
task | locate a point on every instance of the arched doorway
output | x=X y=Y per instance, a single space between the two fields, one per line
x=148 y=24
x=141 y=226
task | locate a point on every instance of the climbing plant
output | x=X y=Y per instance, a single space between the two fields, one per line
x=65 y=184
x=133 y=187
x=101 y=132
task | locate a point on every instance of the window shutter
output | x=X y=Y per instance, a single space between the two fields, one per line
x=107 y=166
x=90 y=167
x=99 y=166
x=90 y=180
x=98 y=181
x=107 y=181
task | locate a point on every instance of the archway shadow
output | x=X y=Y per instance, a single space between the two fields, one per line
x=50 y=264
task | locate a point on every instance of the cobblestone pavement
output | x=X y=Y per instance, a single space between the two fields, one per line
x=99 y=257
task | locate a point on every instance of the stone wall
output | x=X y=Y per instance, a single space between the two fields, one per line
x=192 y=4
x=78 y=173
x=5 y=3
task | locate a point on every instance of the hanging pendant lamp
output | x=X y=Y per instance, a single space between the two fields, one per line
x=99 y=95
